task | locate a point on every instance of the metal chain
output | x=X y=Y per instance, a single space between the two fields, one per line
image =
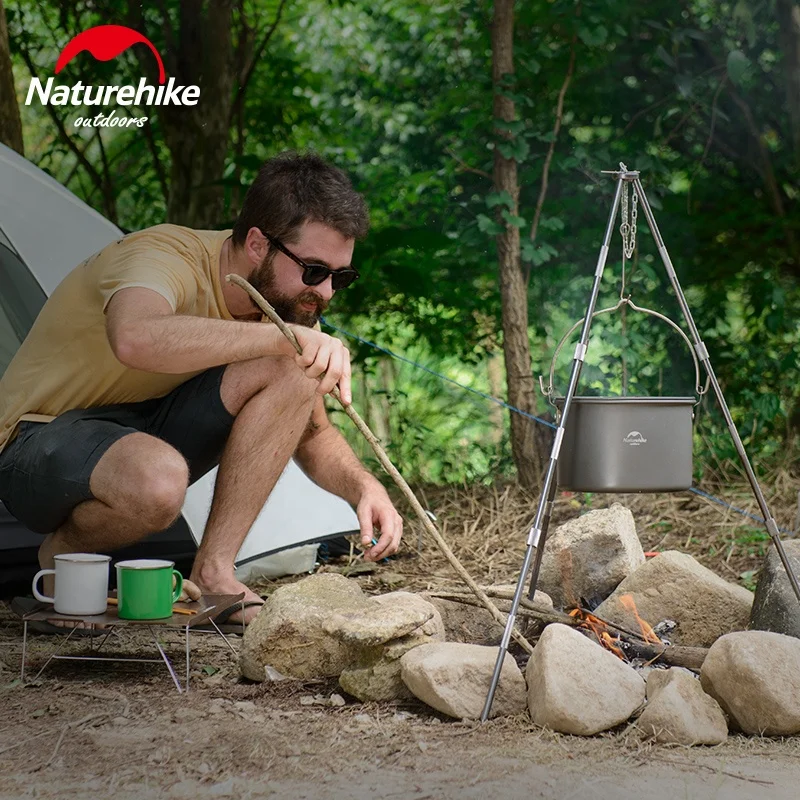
x=628 y=226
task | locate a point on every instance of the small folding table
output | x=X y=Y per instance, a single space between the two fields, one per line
x=185 y=617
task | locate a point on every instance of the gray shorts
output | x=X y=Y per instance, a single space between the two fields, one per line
x=45 y=470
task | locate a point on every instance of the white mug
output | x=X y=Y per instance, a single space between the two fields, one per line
x=81 y=584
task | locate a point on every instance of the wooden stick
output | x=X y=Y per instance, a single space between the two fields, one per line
x=389 y=467
x=675 y=655
x=631 y=643
x=543 y=614
x=113 y=601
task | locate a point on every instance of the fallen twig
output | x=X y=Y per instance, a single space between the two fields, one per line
x=677 y=762
x=526 y=607
x=68 y=727
x=389 y=467
x=24 y=741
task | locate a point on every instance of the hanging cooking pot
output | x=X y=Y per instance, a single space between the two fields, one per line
x=626 y=444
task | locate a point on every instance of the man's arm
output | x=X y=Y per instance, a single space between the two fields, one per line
x=146 y=334
x=328 y=460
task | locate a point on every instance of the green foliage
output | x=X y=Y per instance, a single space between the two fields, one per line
x=399 y=94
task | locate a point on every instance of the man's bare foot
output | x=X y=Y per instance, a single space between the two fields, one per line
x=211 y=581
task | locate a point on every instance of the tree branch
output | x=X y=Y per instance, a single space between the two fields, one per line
x=97 y=179
x=710 y=138
x=108 y=192
x=770 y=183
x=247 y=72
x=551 y=150
x=466 y=167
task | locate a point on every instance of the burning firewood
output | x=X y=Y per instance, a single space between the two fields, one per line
x=689 y=657
x=629 y=645
x=626 y=644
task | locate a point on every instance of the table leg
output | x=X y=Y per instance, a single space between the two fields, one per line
x=187 y=658
x=166 y=660
x=24 y=649
x=56 y=651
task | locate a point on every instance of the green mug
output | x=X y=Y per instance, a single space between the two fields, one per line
x=147 y=588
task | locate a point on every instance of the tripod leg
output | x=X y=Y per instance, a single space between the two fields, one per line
x=702 y=353
x=512 y=614
x=537 y=564
x=548 y=488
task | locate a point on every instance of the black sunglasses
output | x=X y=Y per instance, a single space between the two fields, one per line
x=315 y=274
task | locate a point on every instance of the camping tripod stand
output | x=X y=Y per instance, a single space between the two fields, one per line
x=538 y=533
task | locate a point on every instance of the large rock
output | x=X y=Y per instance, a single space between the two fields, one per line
x=473 y=624
x=679 y=711
x=576 y=686
x=454 y=678
x=674 y=586
x=755 y=677
x=381 y=619
x=289 y=632
x=586 y=558
x=384 y=630
x=775 y=606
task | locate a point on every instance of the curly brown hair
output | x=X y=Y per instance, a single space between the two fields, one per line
x=293 y=188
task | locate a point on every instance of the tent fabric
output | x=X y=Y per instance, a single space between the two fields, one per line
x=19 y=548
x=50 y=229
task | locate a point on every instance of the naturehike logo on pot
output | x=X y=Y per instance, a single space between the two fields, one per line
x=634 y=439
x=105 y=42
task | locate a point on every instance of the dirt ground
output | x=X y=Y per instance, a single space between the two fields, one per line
x=97 y=730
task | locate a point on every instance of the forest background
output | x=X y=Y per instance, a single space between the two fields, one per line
x=478 y=132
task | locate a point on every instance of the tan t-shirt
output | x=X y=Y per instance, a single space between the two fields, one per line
x=66 y=360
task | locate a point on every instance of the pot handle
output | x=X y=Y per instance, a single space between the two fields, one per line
x=549 y=391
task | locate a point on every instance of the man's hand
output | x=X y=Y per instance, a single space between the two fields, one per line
x=324 y=355
x=375 y=510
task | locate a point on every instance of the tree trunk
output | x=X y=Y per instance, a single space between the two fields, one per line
x=789 y=27
x=514 y=297
x=197 y=136
x=10 y=122
x=200 y=53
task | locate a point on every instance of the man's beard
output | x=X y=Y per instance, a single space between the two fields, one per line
x=289 y=309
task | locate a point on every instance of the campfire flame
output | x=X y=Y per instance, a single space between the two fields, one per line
x=648 y=634
x=599 y=629
x=602 y=632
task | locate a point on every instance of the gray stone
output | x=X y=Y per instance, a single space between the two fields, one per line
x=374 y=673
x=379 y=621
x=755 y=677
x=679 y=711
x=454 y=678
x=775 y=606
x=675 y=586
x=289 y=632
x=472 y=624
x=587 y=558
x=657 y=679
x=575 y=686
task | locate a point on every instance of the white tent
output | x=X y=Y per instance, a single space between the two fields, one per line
x=45 y=231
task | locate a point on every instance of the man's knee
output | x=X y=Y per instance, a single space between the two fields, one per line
x=162 y=488
x=143 y=478
x=278 y=376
